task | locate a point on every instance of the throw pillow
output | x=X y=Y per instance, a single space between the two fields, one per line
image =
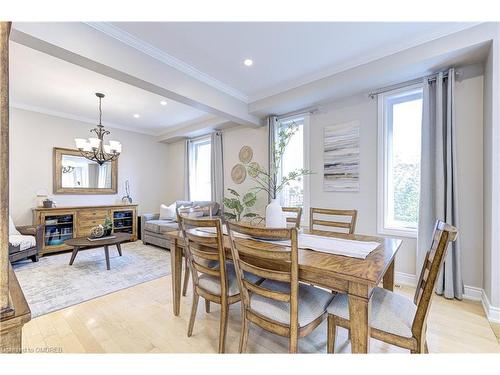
x=168 y=212
x=12 y=228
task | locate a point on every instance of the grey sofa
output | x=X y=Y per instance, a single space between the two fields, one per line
x=153 y=229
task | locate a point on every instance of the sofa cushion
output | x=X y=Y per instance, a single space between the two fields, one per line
x=168 y=212
x=160 y=226
x=22 y=241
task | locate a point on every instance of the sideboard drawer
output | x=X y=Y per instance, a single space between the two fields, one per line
x=90 y=222
x=86 y=215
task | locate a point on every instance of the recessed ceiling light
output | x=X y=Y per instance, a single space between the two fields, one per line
x=163 y=102
x=136 y=115
x=248 y=62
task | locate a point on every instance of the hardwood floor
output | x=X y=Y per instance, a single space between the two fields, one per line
x=140 y=320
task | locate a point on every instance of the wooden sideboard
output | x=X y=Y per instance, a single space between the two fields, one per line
x=63 y=223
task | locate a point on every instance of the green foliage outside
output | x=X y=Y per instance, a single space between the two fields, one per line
x=406 y=179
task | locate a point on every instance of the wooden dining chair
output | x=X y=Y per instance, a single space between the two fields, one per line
x=213 y=278
x=297 y=215
x=396 y=319
x=345 y=226
x=280 y=304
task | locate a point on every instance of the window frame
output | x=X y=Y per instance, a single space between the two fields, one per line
x=383 y=227
x=193 y=143
x=305 y=118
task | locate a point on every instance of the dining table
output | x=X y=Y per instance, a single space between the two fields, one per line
x=356 y=277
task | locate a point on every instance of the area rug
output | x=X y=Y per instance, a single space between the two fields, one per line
x=52 y=284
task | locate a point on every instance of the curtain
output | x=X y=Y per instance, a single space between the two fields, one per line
x=438 y=179
x=187 y=143
x=217 y=168
x=272 y=122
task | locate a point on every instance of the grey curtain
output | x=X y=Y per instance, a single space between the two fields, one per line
x=438 y=181
x=186 y=169
x=217 y=168
x=272 y=122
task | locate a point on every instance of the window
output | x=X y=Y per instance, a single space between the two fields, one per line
x=400 y=124
x=296 y=194
x=200 y=185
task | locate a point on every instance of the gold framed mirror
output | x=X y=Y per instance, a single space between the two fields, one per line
x=74 y=174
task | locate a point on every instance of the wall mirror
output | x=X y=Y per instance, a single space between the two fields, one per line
x=74 y=174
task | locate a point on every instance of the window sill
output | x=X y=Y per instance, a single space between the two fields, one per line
x=406 y=233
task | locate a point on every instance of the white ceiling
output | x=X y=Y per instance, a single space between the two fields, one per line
x=285 y=55
x=46 y=84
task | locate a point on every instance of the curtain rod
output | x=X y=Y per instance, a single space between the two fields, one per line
x=298 y=112
x=430 y=78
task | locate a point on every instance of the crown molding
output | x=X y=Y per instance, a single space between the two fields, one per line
x=91 y=122
x=156 y=53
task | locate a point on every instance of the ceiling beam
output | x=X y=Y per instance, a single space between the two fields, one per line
x=195 y=128
x=83 y=45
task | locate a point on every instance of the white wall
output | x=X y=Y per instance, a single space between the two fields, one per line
x=32 y=138
x=234 y=139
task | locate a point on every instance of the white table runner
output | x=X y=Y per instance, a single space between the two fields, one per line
x=324 y=244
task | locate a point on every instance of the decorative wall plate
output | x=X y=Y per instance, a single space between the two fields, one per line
x=253 y=169
x=238 y=173
x=246 y=154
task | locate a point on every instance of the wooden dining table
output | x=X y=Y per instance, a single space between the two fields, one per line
x=354 y=276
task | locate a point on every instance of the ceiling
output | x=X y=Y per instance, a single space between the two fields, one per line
x=285 y=54
x=47 y=84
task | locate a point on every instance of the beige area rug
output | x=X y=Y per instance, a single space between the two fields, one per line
x=52 y=284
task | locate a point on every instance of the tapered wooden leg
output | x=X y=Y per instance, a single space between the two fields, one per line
x=73 y=254
x=207 y=305
x=332 y=333
x=194 y=308
x=186 y=277
x=388 y=280
x=176 y=264
x=359 y=313
x=119 y=248
x=106 y=253
x=244 y=332
x=223 y=327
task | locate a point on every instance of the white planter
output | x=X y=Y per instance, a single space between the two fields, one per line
x=274 y=215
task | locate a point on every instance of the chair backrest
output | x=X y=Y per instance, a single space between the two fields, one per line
x=205 y=246
x=297 y=211
x=348 y=225
x=441 y=238
x=269 y=261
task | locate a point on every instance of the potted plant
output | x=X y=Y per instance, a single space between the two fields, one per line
x=108 y=226
x=271 y=182
x=237 y=207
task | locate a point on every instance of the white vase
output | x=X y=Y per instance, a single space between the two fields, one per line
x=274 y=215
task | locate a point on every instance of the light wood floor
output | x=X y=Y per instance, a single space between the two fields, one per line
x=140 y=320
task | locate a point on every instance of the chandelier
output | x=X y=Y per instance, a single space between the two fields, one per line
x=94 y=149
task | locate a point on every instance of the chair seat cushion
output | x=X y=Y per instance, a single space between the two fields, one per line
x=390 y=312
x=312 y=303
x=212 y=283
x=22 y=241
x=161 y=226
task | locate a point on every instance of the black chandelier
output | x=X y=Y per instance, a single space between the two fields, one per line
x=94 y=149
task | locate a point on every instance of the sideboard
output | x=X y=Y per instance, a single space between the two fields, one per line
x=63 y=223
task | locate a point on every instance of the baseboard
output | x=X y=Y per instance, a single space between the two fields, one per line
x=471 y=293
x=492 y=312
x=402 y=278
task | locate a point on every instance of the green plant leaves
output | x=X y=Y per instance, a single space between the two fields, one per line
x=249 y=199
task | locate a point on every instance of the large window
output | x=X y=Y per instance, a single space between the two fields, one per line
x=200 y=188
x=400 y=124
x=296 y=194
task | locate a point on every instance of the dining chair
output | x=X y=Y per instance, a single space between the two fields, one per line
x=213 y=278
x=396 y=319
x=280 y=304
x=297 y=215
x=347 y=226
